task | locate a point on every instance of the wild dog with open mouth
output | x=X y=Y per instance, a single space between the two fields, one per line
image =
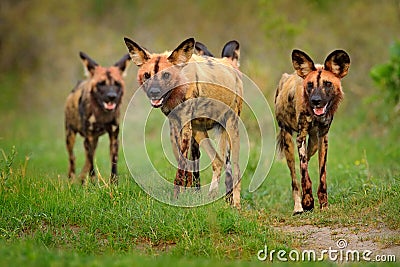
x=305 y=102
x=92 y=109
x=197 y=94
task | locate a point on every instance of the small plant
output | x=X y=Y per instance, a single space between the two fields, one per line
x=6 y=162
x=387 y=76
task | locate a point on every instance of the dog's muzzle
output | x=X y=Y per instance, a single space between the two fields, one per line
x=109 y=101
x=156 y=97
x=319 y=108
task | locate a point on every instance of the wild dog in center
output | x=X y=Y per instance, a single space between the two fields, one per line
x=197 y=94
x=230 y=48
x=92 y=109
x=305 y=102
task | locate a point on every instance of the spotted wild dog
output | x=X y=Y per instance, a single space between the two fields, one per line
x=305 y=102
x=197 y=94
x=92 y=109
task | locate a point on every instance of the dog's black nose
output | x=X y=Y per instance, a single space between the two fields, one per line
x=154 y=92
x=316 y=100
x=111 y=96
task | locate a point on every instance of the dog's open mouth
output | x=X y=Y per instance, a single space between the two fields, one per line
x=156 y=103
x=109 y=105
x=319 y=111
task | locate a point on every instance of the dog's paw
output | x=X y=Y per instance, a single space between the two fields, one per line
x=307 y=202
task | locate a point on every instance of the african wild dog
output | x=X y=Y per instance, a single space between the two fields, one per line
x=197 y=94
x=305 y=102
x=92 y=109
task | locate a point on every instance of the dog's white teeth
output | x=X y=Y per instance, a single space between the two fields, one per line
x=320 y=111
x=156 y=102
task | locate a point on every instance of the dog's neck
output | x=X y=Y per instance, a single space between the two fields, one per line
x=176 y=98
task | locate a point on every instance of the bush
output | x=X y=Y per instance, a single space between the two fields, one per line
x=387 y=76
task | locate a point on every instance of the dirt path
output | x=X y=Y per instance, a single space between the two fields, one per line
x=379 y=240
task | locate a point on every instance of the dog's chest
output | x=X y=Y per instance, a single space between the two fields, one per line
x=321 y=124
x=98 y=125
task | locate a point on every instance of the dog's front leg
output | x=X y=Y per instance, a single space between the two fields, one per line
x=182 y=173
x=194 y=153
x=322 y=157
x=288 y=148
x=70 y=141
x=113 y=134
x=195 y=161
x=90 y=145
x=174 y=137
x=306 y=184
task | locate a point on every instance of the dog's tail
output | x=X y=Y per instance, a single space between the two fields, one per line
x=283 y=142
x=231 y=50
x=280 y=144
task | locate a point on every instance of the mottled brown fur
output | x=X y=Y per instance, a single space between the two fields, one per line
x=305 y=102
x=196 y=98
x=92 y=109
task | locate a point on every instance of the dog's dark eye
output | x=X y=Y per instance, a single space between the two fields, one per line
x=327 y=84
x=147 y=75
x=117 y=84
x=310 y=86
x=166 y=75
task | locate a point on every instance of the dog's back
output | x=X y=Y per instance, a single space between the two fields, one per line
x=217 y=79
x=287 y=101
x=74 y=115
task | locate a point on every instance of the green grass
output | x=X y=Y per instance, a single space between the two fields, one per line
x=45 y=220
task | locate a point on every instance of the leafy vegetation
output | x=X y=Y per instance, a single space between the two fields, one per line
x=387 y=76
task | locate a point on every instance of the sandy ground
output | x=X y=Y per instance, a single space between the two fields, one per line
x=379 y=240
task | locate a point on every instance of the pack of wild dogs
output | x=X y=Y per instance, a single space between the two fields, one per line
x=199 y=92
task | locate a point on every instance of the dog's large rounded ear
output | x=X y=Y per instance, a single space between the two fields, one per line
x=123 y=63
x=183 y=52
x=138 y=54
x=231 y=50
x=88 y=64
x=302 y=63
x=202 y=50
x=338 y=62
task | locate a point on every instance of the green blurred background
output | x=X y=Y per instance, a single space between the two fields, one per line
x=40 y=41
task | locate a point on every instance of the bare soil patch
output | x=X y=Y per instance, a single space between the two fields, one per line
x=380 y=240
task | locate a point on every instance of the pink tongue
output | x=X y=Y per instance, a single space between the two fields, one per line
x=109 y=106
x=156 y=102
x=319 y=111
